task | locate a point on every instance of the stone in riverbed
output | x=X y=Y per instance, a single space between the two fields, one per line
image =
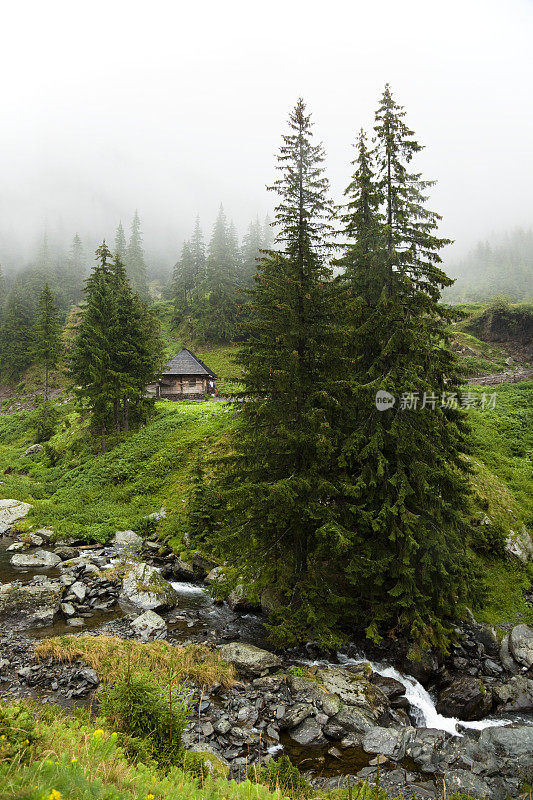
x=466 y=698
x=308 y=733
x=144 y=588
x=148 y=625
x=127 y=542
x=351 y=722
x=79 y=590
x=354 y=689
x=240 y=600
x=390 y=742
x=516 y=695
x=521 y=644
x=30 y=605
x=10 y=512
x=40 y=559
x=462 y=782
x=249 y=659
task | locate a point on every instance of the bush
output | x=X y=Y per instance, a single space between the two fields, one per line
x=489 y=538
x=152 y=716
x=17 y=732
x=283 y=775
x=44 y=420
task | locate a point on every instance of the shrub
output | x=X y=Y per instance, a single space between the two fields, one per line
x=17 y=732
x=152 y=716
x=44 y=420
x=283 y=775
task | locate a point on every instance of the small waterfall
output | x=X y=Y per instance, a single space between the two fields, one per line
x=420 y=699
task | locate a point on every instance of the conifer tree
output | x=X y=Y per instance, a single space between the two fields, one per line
x=409 y=570
x=251 y=247
x=283 y=520
x=268 y=234
x=197 y=247
x=135 y=264
x=3 y=288
x=120 y=243
x=16 y=331
x=47 y=335
x=183 y=279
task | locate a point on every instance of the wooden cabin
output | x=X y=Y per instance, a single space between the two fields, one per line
x=185 y=377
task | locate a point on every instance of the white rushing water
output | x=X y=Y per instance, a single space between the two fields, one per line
x=420 y=699
x=183 y=587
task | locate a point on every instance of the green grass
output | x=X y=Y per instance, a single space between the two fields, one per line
x=90 y=496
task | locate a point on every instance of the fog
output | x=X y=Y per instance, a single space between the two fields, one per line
x=172 y=108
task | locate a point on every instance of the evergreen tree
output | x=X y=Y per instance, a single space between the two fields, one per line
x=120 y=243
x=197 y=247
x=282 y=485
x=3 y=288
x=409 y=569
x=268 y=235
x=183 y=279
x=77 y=255
x=136 y=267
x=16 y=331
x=251 y=247
x=47 y=335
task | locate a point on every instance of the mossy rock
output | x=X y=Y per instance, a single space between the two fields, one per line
x=204 y=763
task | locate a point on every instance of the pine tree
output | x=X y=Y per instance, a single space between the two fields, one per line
x=251 y=246
x=47 y=335
x=283 y=519
x=409 y=488
x=120 y=243
x=183 y=279
x=197 y=254
x=3 y=288
x=16 y=331
x=135 y=265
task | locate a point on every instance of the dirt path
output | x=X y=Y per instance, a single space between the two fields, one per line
x=502 y=377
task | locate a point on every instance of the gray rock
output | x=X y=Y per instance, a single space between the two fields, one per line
x=223 y=726
x=30 y=605
x=10 y=512
x=65 y=552
x=216 y=575
x=295 y=715
x=89 y=675
x=68 y=609
x=183 y=570
x=349 y=721
x=144 y=588
x=127 y=541
x=354 y=689
x=514 y=742
x=466 y=698
x=79 y=590
x=148 y=625
x=76 y=622
x=519 y=545
x=248 y=659
x=240 y=600
x=39 y=559
x=506 y=658
x=308 y=734
x=33 y=450
x=460 y=781
x=390 y=742
x=516 y=695
x=16 y=547
x=521 y=644
x=36 y=540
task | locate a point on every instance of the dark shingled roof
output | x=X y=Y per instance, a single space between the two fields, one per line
x=186 y=363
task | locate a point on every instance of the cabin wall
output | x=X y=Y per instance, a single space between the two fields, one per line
x=183 y=388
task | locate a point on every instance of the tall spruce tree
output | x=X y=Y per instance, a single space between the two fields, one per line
x=197 y=254
x=410 y=569
x=283 y=520
x=16 y=331
x=135 y=264
x=251 y=247
x=120 y=243
x=47 y=335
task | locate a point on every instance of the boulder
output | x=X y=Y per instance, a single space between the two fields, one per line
x=203 y=759
x=79 y=590
x=466 y=698
x=240 y=600
x=521 y=644
x=349 y=722
x=513 y=742
x=202 y=565
x=32 y=605
x=462 y=782
x=296 y=714
x=216 y=575
x=505 y=656
x=33 y=450
x=65 y=552
x=10 y=512
x=516 y=695
x=182 y=570
x=354 y=689
x=519 y=545
x=39 y=559
x=127 y=542
x=248 y=659
x=308 y=733
x=144 y=588
x=390 y=742
x=148 y=625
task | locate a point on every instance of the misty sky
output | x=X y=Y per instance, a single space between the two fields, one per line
x=173 y=107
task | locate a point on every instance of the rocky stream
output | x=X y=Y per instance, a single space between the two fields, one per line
x=424 y=728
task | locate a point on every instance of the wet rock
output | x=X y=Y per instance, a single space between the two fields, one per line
x=521 y=645
x=516 y=695
x=505 y=656
x=79 y=590
x=466 y=698
x=248 y=659
x=308 y=734
x=10 y=512
x=519 y=545
x=33 y=449
x=295 y=715
x=35 y=540
x=127 y=542
x=182 y=570
x=148 y=625
x=390 y=687
x=15 y=547
x=65 y=552
x=349 y=721
x=40 y=559
x=29 y=605
x=513 y=742
x=68 y=609
x=76 y=622
x=144 y=588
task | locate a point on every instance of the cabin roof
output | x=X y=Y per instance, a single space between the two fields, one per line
x=186 y=363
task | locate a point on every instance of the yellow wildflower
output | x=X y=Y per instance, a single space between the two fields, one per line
x=55 y=795
x=98 y=732
x=73 y=760
x=149 y=797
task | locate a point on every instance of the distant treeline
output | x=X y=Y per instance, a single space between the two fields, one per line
x=505 y=268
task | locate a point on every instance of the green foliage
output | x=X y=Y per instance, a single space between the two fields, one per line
x=281 y=774
x=47 y=334
x=16 y=330
x=153 y=717
x=203 y=765
x=44 y=420
x=17 y=732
